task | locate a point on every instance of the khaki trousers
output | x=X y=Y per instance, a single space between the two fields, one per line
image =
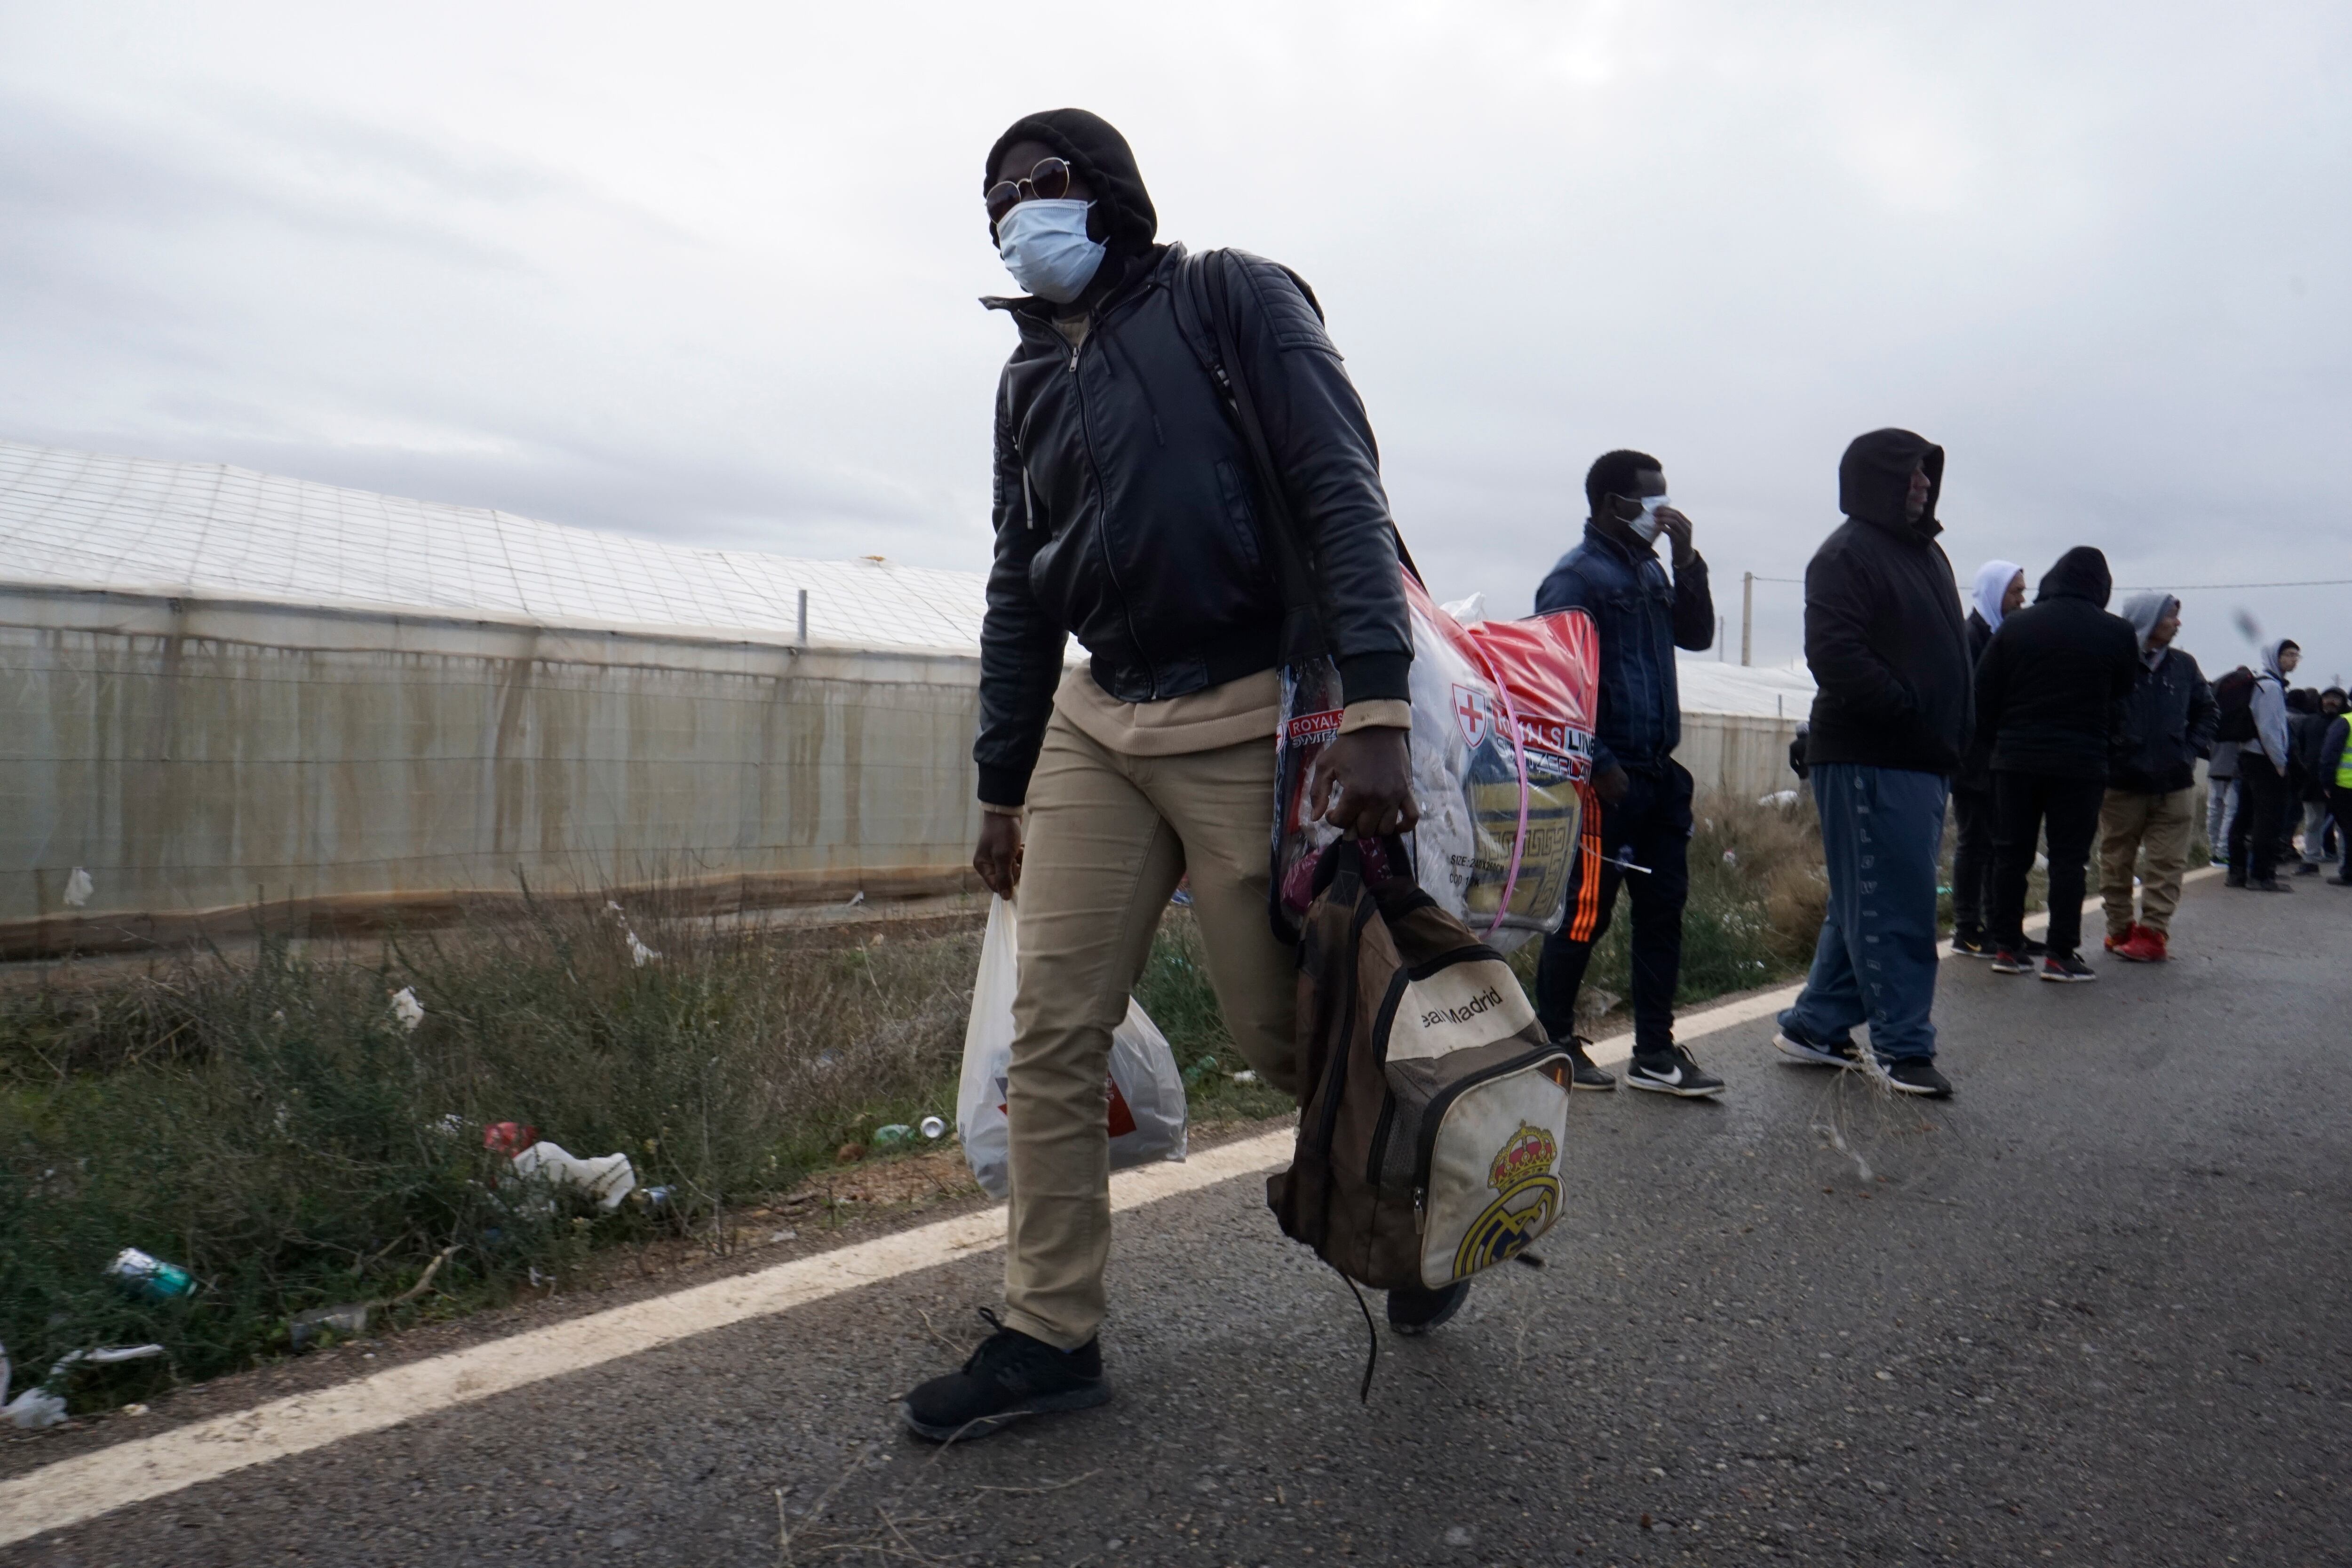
x=2157 y=825
x=1107 y=836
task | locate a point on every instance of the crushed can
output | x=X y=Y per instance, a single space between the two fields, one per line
x=151 y=1277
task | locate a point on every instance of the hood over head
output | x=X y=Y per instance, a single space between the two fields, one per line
x=2080 y=573
x=1993 y=579
x=1874 y=480
x=1122 y=208
x=2271 y=651
x=2144 y=610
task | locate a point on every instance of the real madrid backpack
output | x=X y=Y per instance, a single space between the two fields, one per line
x=1436 y=1111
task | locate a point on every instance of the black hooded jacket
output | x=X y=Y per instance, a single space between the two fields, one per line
x=2051 y=683
x=1882 y=629
x=1126 y=507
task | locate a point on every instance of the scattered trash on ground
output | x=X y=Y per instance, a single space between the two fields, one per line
x=1783 y=798
x=348 y=1319
x=149 y=1275
x=407 y=1008
x=1730 y=857
x=44 y=1404
x=1248 y=1075
x=934 y=1128
x=856 y=899
x=896 y=1133
x=640 y=953
x=78 y=888
x=1198 y=1071
x=607 y=1179
x=656 y=1197
x=784 y=1236
x=509 y=1137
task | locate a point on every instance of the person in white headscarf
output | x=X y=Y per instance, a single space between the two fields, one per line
x=1999 y=589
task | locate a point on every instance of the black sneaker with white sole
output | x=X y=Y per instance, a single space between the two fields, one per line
x=1598 y=1080
x=2010 y=961
x=1916 y=1075
x=2067 y=969
x=1670 y=1071
x=1797 y=1045
x=1010 y=1375
x=1415 y=1310
x=1971 y=943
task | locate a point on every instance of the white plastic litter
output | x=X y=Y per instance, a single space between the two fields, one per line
x=41 y=1406
x=407 y=1008
x=1144 y=1097
x=607 y=1180
x=1783 y=798
x=639 y=953
x=78 y=888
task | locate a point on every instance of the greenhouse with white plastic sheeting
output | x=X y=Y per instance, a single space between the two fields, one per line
x=226 y=690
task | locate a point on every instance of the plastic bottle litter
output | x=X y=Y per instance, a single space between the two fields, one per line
x=1248 y=1075
x=43 y=1404
x=407 y=1008
x=1199 y=1070
x=608 y=1180
x=932 y=1127
x=509 y=1137
x=896 y=1133
x=656 y=1197
x=351 y=1318
x=151 y=1277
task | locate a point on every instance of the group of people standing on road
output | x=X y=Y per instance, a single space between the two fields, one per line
x=1184 y=475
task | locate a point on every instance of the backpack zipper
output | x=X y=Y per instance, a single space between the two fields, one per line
x=1432 y=1119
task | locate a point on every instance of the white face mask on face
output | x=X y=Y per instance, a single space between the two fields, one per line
x=1647 y=526
x=1045 y=246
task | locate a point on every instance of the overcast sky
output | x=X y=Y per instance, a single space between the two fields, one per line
x=708 y=273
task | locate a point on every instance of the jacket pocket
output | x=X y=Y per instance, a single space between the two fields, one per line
x=1241 y=520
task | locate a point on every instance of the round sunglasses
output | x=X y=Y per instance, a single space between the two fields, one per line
x=1049 y=180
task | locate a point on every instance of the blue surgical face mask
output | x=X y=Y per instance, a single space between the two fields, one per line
x=1647 y=525
x=1045 y=246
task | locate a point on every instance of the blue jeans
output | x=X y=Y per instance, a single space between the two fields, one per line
x=1883 y=834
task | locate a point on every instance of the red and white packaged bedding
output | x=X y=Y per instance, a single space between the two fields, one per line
x=1501 y=746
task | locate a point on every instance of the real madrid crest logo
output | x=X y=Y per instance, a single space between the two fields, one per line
x=1528 y=1199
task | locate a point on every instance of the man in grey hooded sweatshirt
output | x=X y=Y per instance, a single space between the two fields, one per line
x=2166 y=724
x=2262 y=777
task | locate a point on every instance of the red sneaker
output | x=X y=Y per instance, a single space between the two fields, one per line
x=2116 y=943
x=2146 y=946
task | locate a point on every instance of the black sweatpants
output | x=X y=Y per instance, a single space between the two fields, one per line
x=1652 y=828
x=2254 y=834
x=2339 y=807
x=1972 y=818
x=2025 y=807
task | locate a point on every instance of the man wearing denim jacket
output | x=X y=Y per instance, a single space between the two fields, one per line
x=1637 y=810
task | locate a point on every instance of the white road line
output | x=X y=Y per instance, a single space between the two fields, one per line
x=72 y=1492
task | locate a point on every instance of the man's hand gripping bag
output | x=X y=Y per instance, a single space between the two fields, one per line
x=1430 y=1143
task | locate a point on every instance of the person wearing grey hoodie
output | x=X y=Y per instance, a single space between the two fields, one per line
x=2150 y=809
x=2262 y=776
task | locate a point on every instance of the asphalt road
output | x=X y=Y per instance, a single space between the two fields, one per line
x=2092 y=1309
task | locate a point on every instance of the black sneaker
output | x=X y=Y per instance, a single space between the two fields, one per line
x=2010 y=961
x=1670 y=1071
x=1415 y=1310
x=2033 y=948
x=2236 y=878
x=2067 y=969
x=1587 y=1075
x=2269 y=885
x=1009 y=1376
x=2308 y=868
x=1972 y=944
x=1916 y=1075
x=1795 y=1043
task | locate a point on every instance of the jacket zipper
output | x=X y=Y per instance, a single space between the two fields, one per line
x=1102 y=510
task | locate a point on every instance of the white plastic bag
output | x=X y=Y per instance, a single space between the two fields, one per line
x=1144 y=1097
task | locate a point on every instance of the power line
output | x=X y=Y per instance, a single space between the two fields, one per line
x=2341 y=581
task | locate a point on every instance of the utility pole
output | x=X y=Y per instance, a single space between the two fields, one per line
x=1718 y=639
x=1747 y=616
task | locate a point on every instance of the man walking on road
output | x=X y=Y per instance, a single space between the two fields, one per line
x=2151 y=801
x=1127 y=514
x=2048 y=691
x=2000 y=593
x=2262 y=770
x=2306 y=731
x=1890 y=655
x=2335 y=768
x=1638 y=808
